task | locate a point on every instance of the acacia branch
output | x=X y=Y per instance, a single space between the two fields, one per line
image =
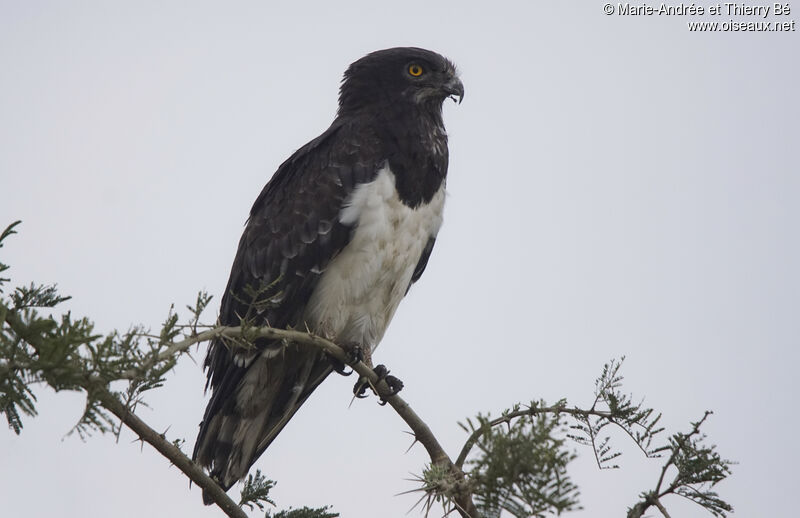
x=462 y=496
x=651 y=498
x=232 y=332
x=507 y=418
x=112 y=403
x=679 y=445
x=189 y=468
x=661 y=508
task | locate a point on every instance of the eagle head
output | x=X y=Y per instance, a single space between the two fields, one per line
x=401 y=75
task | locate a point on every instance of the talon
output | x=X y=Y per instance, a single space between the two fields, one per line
x=338 y=366
x=394 y=384
x=360 y=388
x=356 y=354
x=381 y=371
x=383 y=375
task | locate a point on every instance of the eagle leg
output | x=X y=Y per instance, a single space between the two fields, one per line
x=395 y=385
x=361 y=386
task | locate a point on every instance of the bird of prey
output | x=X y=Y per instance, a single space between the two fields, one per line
x=334 y=241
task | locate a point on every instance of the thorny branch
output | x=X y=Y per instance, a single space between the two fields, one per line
x=450 y=484
x=68 y=355
x=530 y=411
x=684 y=445
x=170 y=451
x=422 y=432
x=459 y=490
x=111 y=401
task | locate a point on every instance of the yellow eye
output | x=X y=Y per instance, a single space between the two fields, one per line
x=415 y=70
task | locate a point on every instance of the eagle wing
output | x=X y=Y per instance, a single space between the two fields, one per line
x=292 y=235
x=423 y=261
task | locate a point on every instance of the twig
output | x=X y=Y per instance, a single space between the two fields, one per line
x=651 y=498
x=507 y=418
x=661 y=508
x=680 y=443
x=232 y=332
x=170 y=451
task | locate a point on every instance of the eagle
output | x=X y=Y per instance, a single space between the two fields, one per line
x=333 y=243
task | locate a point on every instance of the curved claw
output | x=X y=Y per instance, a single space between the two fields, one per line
x=339 y=367
x=394 y=384
x=356 y=354
x=381 y=371
x=360 y=388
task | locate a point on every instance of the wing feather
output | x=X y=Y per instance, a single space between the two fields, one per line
x=423 y=261
x=292 y=234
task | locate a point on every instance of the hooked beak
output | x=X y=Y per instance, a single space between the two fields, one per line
x=454 y=88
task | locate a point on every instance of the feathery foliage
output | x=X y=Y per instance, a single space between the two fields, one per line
x=255 y=492
x=521 y=457
x=697 y=469
x=522 y=468
x=617 y=409
x=66 y=353
x=305 y=512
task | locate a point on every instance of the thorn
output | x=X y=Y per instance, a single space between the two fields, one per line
x=140 y=441
x=412 y=444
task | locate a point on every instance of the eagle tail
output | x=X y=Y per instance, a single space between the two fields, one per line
x=250 y=407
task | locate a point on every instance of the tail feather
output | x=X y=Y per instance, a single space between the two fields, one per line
x=246 y=412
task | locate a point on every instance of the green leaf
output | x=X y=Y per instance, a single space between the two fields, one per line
x=255 y=492
x=522 y=469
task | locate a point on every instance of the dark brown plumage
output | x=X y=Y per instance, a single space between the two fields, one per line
x=387 y=143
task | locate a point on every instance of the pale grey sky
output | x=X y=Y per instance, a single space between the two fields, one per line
x=618 y=186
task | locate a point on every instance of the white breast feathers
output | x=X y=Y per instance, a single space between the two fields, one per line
x=360 y=290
